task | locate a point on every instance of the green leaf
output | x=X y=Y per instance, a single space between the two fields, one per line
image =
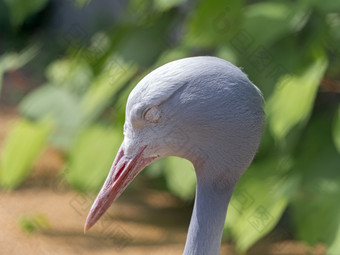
x=293 y=98
x=214 y=22
x=74 y=75
x=314 y=213
x=33 y=223
x=91 y=157
x=156 y=169
x=120 y=104
x=334 y=248
x=22 y=147
x=266 y=22
x=164 y=5
x=227 y=53
x=143 y=45
x=82 y=3
x=21 y=9
x=115 y=74
x=12 y=61
x=59 y=105
x=180 y=177
x=170 y=55
x=257 y=204
x=316 y=216
x=328 y=6
x=336 y=131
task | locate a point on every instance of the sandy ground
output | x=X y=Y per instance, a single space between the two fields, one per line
x=129 y=228
x=142 y=221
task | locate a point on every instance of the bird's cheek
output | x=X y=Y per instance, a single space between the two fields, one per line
x=132 y=145
x=154 y=142
x=129 y=145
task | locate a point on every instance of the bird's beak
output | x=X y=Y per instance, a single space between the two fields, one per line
x=124 y=170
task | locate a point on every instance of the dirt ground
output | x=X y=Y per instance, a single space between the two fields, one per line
x=142 y=221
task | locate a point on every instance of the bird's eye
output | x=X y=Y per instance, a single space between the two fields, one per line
x=152 y=114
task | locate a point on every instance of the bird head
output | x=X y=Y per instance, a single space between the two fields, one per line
x=203 y=109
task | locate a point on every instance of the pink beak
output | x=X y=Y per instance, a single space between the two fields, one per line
x=124 y=170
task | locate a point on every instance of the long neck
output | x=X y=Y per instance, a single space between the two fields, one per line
x=208 y=217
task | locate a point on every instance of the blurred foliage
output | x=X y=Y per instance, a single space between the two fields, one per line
x=300 y=91
x=34 y=223
x=13 y=61
x=290 y=49
x=73 y=97
x=92 y=153
x=180 y=177
x=23 y=146
x=21 y=9
x=257 y=204
x=336 y=130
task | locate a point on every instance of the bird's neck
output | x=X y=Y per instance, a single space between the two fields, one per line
x=208 y=217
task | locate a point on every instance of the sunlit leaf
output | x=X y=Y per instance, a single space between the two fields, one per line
x=155 y=169
x=82 y=3
x=91 y=157
x=12 y=61
x=143 y=45
x=315 y=204
x=326 y=5
x=257 y=204
x=314 y=213
x=334 y=248
x=171 y=55
x=214 y=22
x=74 y=75
x=59 y=105
x=120 y=104
x=33 y=223
x=266 y=22
x=21 y=9
x=293 y=98
x=336 y=130
x=227 y=53
x=165 y=5
x=24 y=144
x=115 y=74
x=180 y=177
